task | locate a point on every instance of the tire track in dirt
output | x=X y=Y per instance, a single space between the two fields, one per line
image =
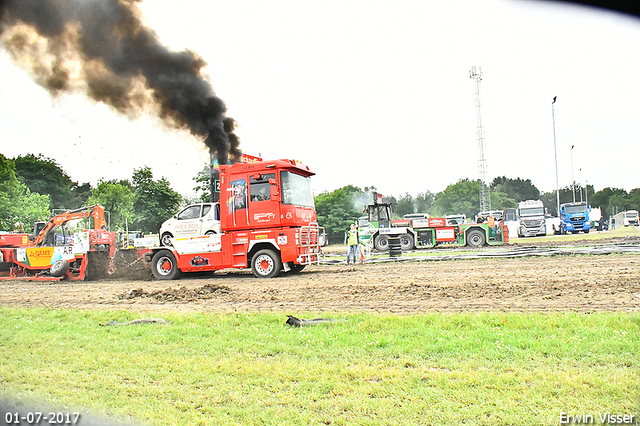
x=559 y=283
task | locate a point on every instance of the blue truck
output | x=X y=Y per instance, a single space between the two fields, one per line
x=574 y=217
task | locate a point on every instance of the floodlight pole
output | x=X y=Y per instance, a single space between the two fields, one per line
x=573 y=179
x=580 y=181
x=555 y=148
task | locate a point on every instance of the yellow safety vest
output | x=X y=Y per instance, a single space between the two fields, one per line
x=353 y=238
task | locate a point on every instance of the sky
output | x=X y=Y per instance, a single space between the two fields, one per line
x=370 y=93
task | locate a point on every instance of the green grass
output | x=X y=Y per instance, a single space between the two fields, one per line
x=250 y=369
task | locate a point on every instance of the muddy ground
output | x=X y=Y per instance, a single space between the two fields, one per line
x=548 y=283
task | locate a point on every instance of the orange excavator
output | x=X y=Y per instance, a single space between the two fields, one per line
x=48 y=254
x=99 y=238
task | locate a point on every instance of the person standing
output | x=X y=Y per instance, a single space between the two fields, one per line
x=491 y=223
x=352 y=242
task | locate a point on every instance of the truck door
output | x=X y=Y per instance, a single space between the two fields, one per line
x=237 y=203
x=263 y=208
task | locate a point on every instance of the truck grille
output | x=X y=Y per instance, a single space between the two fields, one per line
x=577 y=219
x=532 y=223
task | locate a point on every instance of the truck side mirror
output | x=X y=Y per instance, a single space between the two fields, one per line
x=275 y=194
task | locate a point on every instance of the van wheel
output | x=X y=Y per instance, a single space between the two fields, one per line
x=164 y=266
x=165 y=240
x=266 y=264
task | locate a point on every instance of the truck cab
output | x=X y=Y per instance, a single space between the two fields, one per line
x=263 y=197
x=574 y=217
x=531 y=218
x=265 y=220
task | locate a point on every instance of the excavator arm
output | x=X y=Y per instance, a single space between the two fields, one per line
x=96 y=212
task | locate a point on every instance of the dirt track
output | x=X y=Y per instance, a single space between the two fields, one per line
x=575 y=283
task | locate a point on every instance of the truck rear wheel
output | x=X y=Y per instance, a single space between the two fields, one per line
x=406 y=242
x=164 y=266
x=475 y=238
x=381 y=243
x=266 y=264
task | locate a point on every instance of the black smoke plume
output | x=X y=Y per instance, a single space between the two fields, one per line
x=101 y=47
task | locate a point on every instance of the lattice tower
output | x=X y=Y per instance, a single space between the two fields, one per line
x=485 y=197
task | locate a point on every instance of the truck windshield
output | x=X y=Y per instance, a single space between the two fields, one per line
x=531 y=211
x=296 y=189
x=632 y=215
x=575 y=209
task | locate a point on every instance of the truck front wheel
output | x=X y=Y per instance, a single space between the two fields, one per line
x=164 y=266
x=266 y=264
x=475 y=238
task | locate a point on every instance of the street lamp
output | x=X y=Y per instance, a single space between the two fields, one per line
x=553 y=114
x=580 y=182
x=573 y=180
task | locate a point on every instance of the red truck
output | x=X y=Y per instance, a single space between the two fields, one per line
x=267 y=221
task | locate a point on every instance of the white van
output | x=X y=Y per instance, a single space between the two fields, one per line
x=193 y=220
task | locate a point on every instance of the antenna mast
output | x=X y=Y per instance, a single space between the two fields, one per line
x=485 y=198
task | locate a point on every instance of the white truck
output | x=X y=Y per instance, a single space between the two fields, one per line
x=531 y=218
x=628 y=218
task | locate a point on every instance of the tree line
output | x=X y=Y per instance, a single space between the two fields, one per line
x=32 y=186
